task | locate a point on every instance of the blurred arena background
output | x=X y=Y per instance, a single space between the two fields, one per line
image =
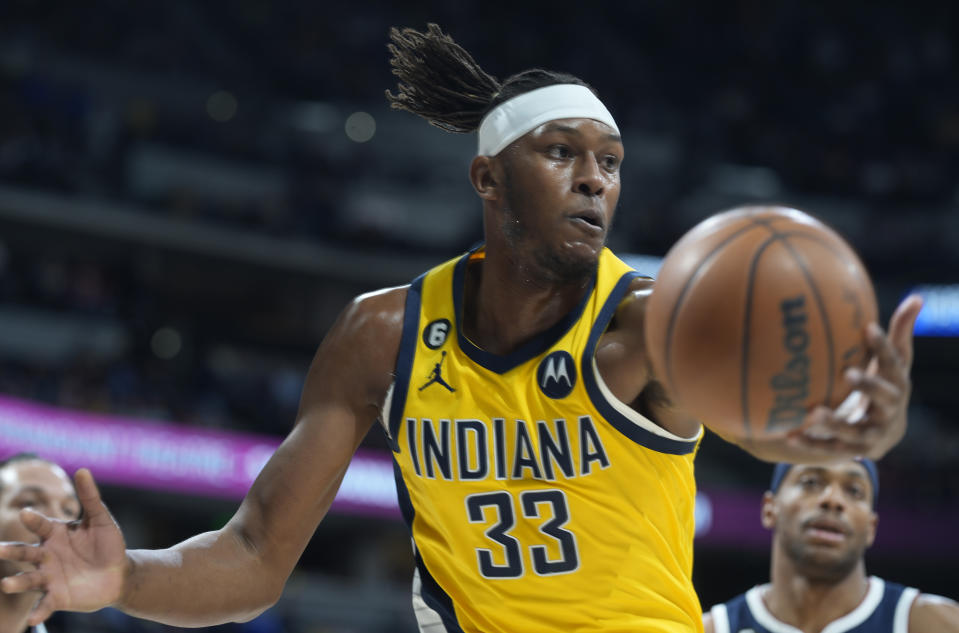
x=191 y=191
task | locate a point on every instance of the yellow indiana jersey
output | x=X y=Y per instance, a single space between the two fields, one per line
x=536 y=500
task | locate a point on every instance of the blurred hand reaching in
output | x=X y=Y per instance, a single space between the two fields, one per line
x=79 y=565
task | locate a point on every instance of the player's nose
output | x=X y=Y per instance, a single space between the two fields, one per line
x=832 y=497
x=589 y=179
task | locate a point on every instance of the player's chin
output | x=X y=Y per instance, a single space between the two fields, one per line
x=575 y=261
x=585 y=250
x=826 y=556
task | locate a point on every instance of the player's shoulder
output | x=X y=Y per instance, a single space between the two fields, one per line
x=632 y=307
x=383 y=304
x=931 y=613
x=373 y=320
x=640 y=287
x=358 y=354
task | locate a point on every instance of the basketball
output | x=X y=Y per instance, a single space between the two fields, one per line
x=754 y=317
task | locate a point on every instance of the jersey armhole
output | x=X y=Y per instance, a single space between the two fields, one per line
x=396 y=396
x=623 y=418
x=720 y=618
x=900 y=621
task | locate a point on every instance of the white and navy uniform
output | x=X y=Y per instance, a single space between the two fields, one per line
x=885 y=609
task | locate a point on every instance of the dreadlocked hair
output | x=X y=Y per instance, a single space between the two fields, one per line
x=441 y=82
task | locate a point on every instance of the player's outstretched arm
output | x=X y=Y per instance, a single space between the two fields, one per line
x=934 y=614
x=234 y=573
x=826 y=434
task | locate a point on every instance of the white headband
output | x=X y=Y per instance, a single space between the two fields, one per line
x=513 y=118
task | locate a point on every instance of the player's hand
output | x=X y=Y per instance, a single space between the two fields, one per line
x=78 y=565
x=881 y=422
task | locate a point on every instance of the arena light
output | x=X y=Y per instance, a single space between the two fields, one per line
x=360 y=127
x=940 y=310
x=221 y=106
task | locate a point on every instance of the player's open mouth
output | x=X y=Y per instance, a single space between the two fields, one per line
x=591 y=218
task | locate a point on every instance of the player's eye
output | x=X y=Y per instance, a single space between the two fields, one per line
x=559 y=151
x=809 y=483
x=26 y=501
x=611 y=162
x=856 y=492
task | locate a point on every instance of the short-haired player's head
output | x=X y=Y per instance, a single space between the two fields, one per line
x=28 y=481
x=823 y=517
x=548 y=152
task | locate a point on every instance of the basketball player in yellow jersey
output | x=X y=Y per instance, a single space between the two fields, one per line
x=545 y=475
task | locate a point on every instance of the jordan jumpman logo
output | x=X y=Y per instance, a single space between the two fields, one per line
x=435 y=375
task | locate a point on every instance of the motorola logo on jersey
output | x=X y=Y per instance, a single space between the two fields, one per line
x=556 y=375
x=435 y=333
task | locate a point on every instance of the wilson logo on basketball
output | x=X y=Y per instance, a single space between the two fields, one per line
x=791 y=385
x=556 y=375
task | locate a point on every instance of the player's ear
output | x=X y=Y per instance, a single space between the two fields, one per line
x=484 y=177
x=871 y=529
x=768 y=512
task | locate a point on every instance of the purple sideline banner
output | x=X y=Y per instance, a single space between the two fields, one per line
x=170 y=457
x=162 y=456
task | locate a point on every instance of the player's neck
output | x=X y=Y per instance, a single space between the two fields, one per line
x=810 y=604
x=503 y=309
x=14 y=610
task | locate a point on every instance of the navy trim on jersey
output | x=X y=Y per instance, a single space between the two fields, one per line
x=620 y=422
x=431 y=592
x=875 y=615
x=528 y=350
x=404 y=359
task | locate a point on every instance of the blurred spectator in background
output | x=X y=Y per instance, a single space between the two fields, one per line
x=823 y=519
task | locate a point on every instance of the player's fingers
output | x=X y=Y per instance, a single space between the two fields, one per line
x=825 y=445
x=889 y=361
x=860 y=437
x=94 y=510
x=43 y=610
x=24 y=581
x=901 y=326
x=40 y=525
x=20 y=552
x=825 y=429
x=812 y=426
x=833 y=448
x=880 y=391
x=815 y=434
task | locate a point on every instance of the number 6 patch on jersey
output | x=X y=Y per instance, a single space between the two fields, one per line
x=436 y=333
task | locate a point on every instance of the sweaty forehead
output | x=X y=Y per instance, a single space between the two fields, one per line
x=35 y=474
